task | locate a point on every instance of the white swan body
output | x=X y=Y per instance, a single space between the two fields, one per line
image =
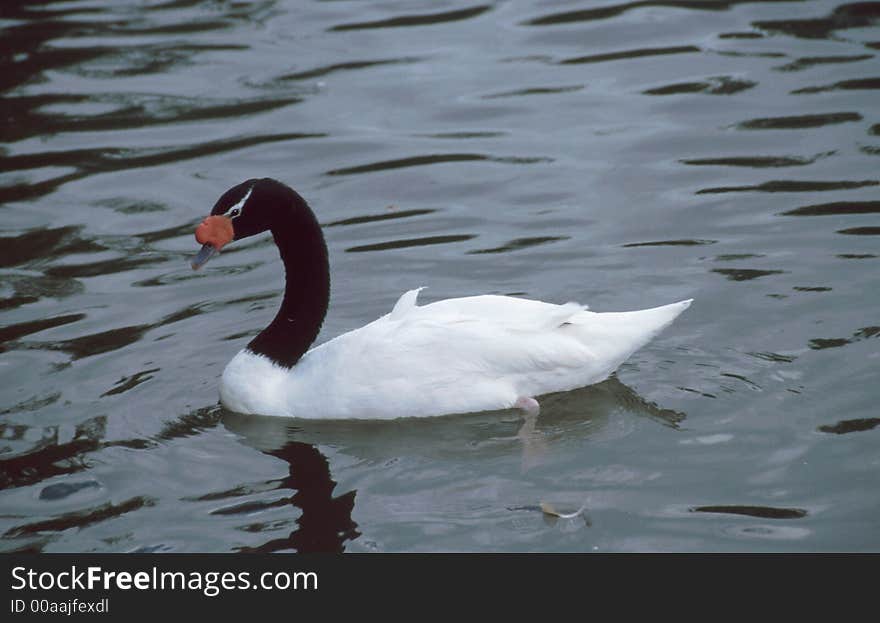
x=458 y=355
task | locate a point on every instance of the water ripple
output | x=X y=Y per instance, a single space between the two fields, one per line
x=607 y=12
x=424 y=19
x=419 y=161
x=764 y=512
x=90 y=161
x=373 y=218
x=51 y=455
x=130 y=382
x=520 y=243
x=685 y=242
x=34 y=403
x=791 y=186
x=837 y=207
x=722 y=85
x=807 y=62
x=56 y=113
x=347 y=66
x=536 y=91
x=843 y=85
x=13 y=332
x=756 y=162
x=37 y=244
x=799 y=122
x=860 y=231
x=857 y=425
x=630 y=54
x=773 y=357
x=105 y=267
x=836 y=342
x=64 y=490
x=463 y=135
x=191 y=424
x=80 y=519
x=31 y=288
x=845 y=16
x=411 y=242
x=745 y=274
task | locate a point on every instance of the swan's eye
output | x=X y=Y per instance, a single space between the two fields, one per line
x=234 y=212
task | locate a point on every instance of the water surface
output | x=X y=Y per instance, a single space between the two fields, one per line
x=619 y=154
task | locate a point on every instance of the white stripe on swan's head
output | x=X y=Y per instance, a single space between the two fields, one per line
x=238 y=208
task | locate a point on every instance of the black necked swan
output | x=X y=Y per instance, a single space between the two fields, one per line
x=461 y=355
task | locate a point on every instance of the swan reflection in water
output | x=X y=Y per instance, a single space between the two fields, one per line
x=325 y=522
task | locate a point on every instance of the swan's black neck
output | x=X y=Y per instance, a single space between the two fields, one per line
x=307 y=274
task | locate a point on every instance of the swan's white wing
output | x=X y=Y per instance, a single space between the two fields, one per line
x=514 y=313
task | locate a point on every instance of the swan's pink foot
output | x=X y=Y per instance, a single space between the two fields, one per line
x=527 y=404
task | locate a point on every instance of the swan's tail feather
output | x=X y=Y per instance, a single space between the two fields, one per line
x=617 y=335
x=648 y=323
x=645 y=324
x=660 y=317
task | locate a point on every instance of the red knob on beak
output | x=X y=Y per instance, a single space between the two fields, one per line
x=215 y=231
x=212 y=234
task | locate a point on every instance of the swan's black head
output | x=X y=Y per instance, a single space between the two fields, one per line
x=250 y=208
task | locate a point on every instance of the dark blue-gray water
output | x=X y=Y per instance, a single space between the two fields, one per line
x=619 y=154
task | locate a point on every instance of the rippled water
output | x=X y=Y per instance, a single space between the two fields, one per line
x=623 y=155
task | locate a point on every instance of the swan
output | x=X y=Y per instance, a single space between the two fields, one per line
x=460 y=355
